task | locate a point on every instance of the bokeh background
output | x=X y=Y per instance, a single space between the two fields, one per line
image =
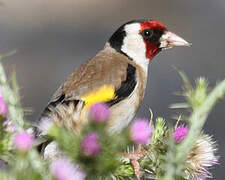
x=53 y=37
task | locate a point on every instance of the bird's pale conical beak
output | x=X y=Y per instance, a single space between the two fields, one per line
x=169 y=40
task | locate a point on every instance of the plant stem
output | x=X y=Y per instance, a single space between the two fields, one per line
x=197 y=120
x=12 y=99
x=11 y=96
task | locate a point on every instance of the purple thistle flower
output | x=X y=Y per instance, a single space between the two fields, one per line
x=3 y=107
x=63 y=169
x=23 y=141
x=99 y=112
x=90 y=145
x=141 y=131
x=180 y=133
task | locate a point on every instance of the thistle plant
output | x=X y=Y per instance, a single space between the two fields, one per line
x=145 y=149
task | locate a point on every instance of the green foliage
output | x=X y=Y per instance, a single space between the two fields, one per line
x=162 y=158
x=107 y=160
x=17 y=162
x=201 y=103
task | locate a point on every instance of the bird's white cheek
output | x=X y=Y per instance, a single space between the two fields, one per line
x=135 y=48
x=134 y=45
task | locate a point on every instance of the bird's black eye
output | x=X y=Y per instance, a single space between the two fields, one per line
x=147 y=33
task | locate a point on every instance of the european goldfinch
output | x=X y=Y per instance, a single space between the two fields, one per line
x=117 y=76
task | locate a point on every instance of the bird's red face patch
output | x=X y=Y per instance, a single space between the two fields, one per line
x=152 y=44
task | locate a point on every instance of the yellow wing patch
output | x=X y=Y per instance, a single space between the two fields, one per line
x=103 y=94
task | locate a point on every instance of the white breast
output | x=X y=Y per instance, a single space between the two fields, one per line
x=123 y=112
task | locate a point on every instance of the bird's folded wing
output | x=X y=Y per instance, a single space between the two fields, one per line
x=108 y=77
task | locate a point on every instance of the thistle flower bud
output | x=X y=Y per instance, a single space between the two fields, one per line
x=200 y=92
x=3 y=107
x=23 y=141
x=99 y=112
x=160 y=130
x=140 y=131
x=63 y=169
x=180 y=133
x=90 y=145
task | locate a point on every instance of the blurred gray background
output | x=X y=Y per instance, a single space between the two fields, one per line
x=55 y=36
